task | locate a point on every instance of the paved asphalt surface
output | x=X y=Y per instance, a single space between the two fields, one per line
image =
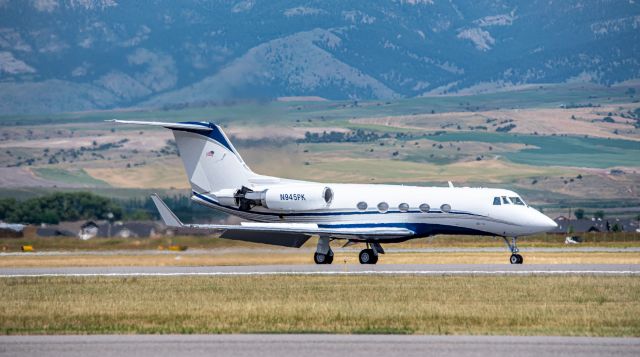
x=316 y=345
x=334 y=269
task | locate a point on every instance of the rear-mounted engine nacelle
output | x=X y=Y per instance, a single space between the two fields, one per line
x=283 y=198
x=298 y=197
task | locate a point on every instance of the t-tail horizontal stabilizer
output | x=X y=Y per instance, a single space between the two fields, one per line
x=177 y=126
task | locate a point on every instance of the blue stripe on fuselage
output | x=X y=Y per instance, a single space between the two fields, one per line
x=311 y=214
x=420 y=229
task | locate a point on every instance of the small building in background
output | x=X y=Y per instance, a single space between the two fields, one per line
x=86 y=230
x=53 y=231
x=139 y=229
x=11 y=230
x=591 y=225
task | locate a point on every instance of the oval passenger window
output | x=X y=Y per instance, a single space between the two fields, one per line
x=362 y=205
x=445 y=207
x=424 y=207
x=383 y=207
x=328 y=195
x=403 y=207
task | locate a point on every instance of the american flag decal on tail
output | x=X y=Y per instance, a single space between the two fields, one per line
x=210 y=153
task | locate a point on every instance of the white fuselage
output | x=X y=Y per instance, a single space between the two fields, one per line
x=451 y=210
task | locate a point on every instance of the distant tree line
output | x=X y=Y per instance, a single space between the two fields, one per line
x=181 y=205
x=70 y=155
x=57 y=207
x=73 y=206
x=354 y=136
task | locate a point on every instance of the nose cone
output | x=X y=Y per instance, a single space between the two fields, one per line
x=544 y=223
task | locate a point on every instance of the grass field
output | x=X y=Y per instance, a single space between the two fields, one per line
x=531 y=305
x=331 y=113
x=558 y=150
x=236 y=257
x=204 y=251
x=610 y=240
x=79 y=177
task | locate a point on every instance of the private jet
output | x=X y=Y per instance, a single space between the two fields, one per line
x=286 y=212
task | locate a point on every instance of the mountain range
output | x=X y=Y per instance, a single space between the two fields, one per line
x=76 y=55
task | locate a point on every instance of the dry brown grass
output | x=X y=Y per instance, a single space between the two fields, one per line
x=266 y=257
x=546 y=121
x=162 y=173
x=568 y=305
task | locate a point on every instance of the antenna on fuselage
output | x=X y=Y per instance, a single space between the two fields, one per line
x=450 y=184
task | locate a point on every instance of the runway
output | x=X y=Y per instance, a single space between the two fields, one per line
x=306 y=345
x=335 y=269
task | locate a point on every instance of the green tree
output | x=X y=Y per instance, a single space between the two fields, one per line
x=60 y=206
x=579 y=213
x=599 y=214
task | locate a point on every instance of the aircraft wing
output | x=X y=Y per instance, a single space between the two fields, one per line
x=284 y=234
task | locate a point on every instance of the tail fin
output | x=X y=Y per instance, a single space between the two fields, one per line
x=210 y=160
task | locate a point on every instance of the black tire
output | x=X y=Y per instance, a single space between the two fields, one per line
x=520 y=259
x=367 y=257
x=329 y=258
x=364 y=256
x=320 y=258
x=514 y=259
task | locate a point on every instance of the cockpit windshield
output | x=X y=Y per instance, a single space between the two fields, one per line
x=504 y=200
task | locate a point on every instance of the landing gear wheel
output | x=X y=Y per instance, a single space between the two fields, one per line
x=367 y=256
x=329 y=258
x=516 y=259
x=320 y=258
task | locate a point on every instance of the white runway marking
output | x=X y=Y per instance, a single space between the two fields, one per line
x=362 y=272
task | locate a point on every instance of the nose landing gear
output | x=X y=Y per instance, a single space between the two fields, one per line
x=515 y=257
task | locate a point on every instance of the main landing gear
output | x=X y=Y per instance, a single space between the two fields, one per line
x=320 y=258
x=515 y=257
x=324 y=254
x=370 y=255
x=367 y=256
